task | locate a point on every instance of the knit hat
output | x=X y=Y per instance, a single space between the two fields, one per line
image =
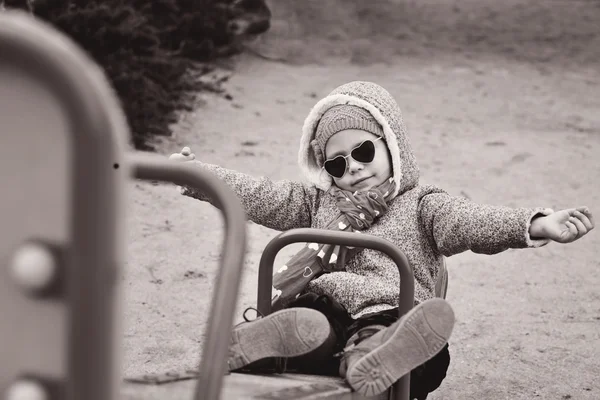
x=339 y=118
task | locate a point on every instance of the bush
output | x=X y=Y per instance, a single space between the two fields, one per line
x=154 y=52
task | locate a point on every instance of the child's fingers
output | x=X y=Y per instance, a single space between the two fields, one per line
x=572 y=228
x=188 y=157
x=177 y=157
x=586 y=211
x=584 y=219
x=581 y=229
x=182 y=157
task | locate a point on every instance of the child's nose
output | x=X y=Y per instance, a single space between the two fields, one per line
x=353 y=165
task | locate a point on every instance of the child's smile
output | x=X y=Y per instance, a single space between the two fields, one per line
x=357 y=175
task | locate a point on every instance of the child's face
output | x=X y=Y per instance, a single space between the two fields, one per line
x=359 y=176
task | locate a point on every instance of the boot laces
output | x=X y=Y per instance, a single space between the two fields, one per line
x=246 y=319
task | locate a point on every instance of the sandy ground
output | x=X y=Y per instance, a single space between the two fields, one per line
x=509 y=117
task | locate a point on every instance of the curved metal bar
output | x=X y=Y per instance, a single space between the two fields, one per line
x=407 y=284
x=225 y=292
x=95 y=135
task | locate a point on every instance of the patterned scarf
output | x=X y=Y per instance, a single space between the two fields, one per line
x=358 y=211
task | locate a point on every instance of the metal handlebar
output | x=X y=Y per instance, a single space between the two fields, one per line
x=220 y=321
x=407 y=284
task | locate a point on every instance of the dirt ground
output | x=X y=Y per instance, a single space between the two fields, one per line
x=502 y=105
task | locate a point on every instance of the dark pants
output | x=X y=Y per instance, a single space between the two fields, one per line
x=423 y=380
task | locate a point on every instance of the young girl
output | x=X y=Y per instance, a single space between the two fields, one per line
x=337 y=305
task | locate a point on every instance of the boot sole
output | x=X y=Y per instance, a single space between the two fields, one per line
x=417 y=338
x=291 y=332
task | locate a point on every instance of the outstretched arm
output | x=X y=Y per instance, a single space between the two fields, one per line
x=279 y=205
x=454 y=225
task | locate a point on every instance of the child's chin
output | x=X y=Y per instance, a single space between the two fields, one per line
x=365 y=185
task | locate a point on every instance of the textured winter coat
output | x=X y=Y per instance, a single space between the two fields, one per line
x=425 y=222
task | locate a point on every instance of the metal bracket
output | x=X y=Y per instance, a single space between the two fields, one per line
x=159 y=379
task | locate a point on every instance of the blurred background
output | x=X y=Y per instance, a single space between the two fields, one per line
x=157 y=52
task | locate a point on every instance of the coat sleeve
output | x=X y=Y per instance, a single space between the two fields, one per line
x=279 y=205
x=455 y=224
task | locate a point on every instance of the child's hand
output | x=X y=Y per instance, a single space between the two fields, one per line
x=185 y=155
x=564 y=226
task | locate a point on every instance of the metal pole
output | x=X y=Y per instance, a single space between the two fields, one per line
x=226 y=288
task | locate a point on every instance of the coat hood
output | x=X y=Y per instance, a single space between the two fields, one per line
x=385 y=110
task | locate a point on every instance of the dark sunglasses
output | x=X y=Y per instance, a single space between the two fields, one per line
x=363 y=153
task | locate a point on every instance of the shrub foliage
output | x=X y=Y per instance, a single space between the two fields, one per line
x=154 y=52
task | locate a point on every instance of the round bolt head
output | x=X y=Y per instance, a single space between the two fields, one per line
x=33 y=267
x=26 y=390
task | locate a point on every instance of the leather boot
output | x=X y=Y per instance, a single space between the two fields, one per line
x=374 y=364
x=286 y=333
